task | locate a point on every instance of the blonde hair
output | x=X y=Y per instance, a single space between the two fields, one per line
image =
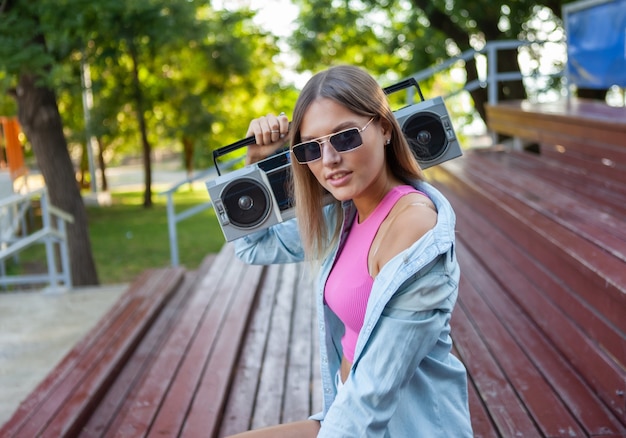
x=356 y=90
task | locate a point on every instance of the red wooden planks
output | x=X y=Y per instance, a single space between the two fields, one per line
x=63 y=402
x=135 y=370
x=476 y=218
x=241 y=401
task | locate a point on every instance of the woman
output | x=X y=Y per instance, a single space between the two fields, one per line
x=384 y=252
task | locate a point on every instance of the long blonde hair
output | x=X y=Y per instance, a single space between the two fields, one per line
x=356 y=90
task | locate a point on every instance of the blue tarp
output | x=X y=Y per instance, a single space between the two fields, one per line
x=596 y=44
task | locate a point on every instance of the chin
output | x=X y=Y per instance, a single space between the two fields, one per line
x=340 y=195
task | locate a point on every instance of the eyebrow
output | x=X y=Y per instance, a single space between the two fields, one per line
x=336 y=129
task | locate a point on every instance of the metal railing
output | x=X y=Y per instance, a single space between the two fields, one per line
x=492 y=76
x=15 y=237
x=173 y=218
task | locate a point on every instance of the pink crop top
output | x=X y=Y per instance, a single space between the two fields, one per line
x=349 y=284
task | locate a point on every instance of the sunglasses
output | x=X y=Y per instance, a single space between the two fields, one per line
x=342 y=141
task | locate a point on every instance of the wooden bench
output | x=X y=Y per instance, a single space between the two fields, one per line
x=589 y=135
x=60 y=405
x=177 y=381
x=234 y=347
x=543 y=235
x=277 y=377
x=586 y=121
x=203 y=353
x=237 y=352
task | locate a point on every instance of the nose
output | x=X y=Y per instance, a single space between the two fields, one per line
x=329 y=153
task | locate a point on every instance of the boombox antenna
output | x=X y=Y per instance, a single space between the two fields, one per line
x=411 y=82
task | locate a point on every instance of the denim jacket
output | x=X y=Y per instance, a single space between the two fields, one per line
x=404 y=381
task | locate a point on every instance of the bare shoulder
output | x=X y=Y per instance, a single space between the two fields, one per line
x=412 y=217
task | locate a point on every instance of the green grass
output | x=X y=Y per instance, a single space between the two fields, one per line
x=126 y=238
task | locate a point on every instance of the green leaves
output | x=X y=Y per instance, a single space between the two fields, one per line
x=197 y=66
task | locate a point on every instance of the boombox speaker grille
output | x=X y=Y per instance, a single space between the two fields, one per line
x=247 y=202
x=426 y=136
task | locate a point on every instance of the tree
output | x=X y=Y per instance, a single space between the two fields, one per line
x=176 y=64
x=407 y=36
x=133 y=33
x=203 y=74
x=25 y=54
x=141 y=53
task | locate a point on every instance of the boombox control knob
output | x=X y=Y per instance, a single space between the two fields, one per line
x=246 y=202
x=221 y=213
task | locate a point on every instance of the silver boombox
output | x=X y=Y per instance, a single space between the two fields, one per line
x=256 y=197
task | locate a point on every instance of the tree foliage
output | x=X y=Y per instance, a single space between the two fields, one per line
x=397 y=38
x=164 y=73
x=29 y=59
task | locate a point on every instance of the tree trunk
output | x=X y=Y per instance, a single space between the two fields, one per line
x=83 y=183
x=39 y=116
x=592 y=93
x=513 y=89
x=141 y=119
x=188 y=155
x=102 y=164
x=443 y=23
x=507 y=60
x=479 y=95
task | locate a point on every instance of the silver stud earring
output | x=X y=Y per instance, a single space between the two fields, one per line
x=388 y=142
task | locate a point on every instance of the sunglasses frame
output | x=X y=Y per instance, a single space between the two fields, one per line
x=321 y=140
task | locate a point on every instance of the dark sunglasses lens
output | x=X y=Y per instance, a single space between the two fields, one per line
x=306 y=152
x=346 y=140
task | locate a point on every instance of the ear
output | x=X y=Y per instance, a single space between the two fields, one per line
x=385 y=127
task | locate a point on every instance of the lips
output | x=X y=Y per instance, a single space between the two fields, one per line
x=337 y=179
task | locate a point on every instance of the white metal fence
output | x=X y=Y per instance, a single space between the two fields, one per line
x=16 y=236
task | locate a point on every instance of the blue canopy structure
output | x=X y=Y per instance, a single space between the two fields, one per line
x=596 y=43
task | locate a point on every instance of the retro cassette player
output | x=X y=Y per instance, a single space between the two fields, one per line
x=427 y=127
x=257 y=196
x=254 y=197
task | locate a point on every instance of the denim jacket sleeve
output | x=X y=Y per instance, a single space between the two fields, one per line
x=280 y=243
x=414 y=324
x=277 y=244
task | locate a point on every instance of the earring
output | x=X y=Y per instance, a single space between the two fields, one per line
x=388 y=142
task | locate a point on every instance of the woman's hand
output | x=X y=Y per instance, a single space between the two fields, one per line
x=270 y=133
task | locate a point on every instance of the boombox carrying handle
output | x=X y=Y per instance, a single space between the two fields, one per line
x=404 y=84
x=233 y=147
x=230 y=148
x=250 y=140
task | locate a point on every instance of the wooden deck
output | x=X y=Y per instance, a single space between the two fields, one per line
x=540 y=323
